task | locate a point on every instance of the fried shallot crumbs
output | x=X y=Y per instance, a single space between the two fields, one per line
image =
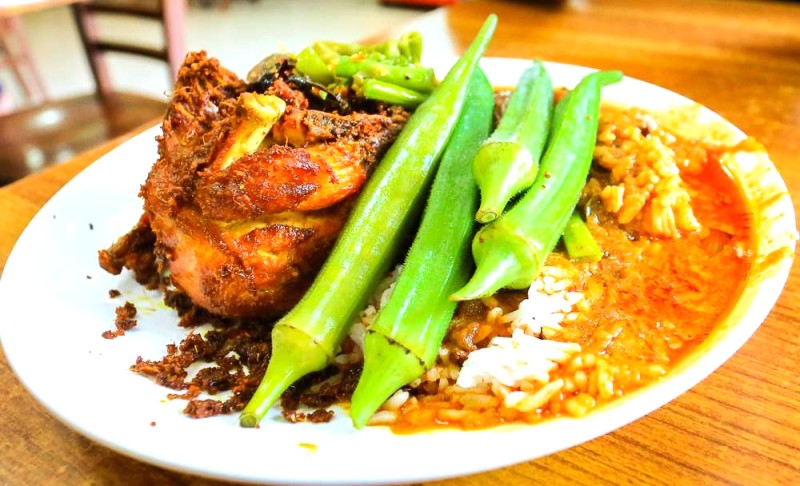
x=233 y=356
x=317 y=416
x=124 y=321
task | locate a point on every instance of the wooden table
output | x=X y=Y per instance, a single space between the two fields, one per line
x=739 y=426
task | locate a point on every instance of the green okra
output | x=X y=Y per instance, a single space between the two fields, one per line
x=509 y=252
x=507 y=163
x=404 y=340
x=308 y=337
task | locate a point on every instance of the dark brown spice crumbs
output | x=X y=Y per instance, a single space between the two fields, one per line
x=124 y=321
x=233 y=353
x=317 y=416
x=237 y=353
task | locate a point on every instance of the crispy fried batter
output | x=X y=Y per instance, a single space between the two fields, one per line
x=242 y=228
x=135 y=252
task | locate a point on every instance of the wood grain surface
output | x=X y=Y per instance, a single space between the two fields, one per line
x=739 y=426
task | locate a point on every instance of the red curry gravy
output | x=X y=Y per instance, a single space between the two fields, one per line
x=647 y=303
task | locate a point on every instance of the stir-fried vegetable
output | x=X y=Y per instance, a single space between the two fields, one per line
x=311 y=64
x=308 y=337
x=509 y=252
x=375 y=89
x=578 y=240
x=507 y=163
x=389 y=72
x=418 y=78
x=405 y=49
x=404 y=340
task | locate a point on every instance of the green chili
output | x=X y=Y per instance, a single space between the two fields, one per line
x=308 y=337
x=507 y=163
x=509 y=252
x=404 y=340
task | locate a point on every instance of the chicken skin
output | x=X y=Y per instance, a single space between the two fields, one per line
x=251 y=189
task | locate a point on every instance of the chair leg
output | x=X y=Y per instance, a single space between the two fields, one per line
x=88 y=32
x=19 y=56
x=174 y=12
x=6 y=103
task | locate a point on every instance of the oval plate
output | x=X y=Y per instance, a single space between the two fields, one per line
x=54 y=305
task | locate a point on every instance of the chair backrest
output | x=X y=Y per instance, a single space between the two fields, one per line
x=171 y=14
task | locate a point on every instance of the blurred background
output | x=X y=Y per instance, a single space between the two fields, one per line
x=75 y=74
x=238 y=32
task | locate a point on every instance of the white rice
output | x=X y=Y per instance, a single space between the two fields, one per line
x=549 y=302
x=518 y=368
x=376 y=303
x=511 y=361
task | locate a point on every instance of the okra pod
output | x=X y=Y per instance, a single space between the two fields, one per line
x=404 y=340
x=507 y=163
x=307 y=338
x=509 y=252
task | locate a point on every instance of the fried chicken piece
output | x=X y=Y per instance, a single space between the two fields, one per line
x=248 y=194
x=134 y=251
x=318 y=159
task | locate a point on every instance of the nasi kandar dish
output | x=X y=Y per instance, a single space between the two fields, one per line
x=342 y=228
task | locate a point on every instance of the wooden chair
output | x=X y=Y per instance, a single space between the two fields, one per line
x=15 y=55
x=57 y=130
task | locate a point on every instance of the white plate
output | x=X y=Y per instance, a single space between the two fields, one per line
x=54 y=305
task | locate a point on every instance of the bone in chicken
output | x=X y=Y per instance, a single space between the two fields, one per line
x=250 y=189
